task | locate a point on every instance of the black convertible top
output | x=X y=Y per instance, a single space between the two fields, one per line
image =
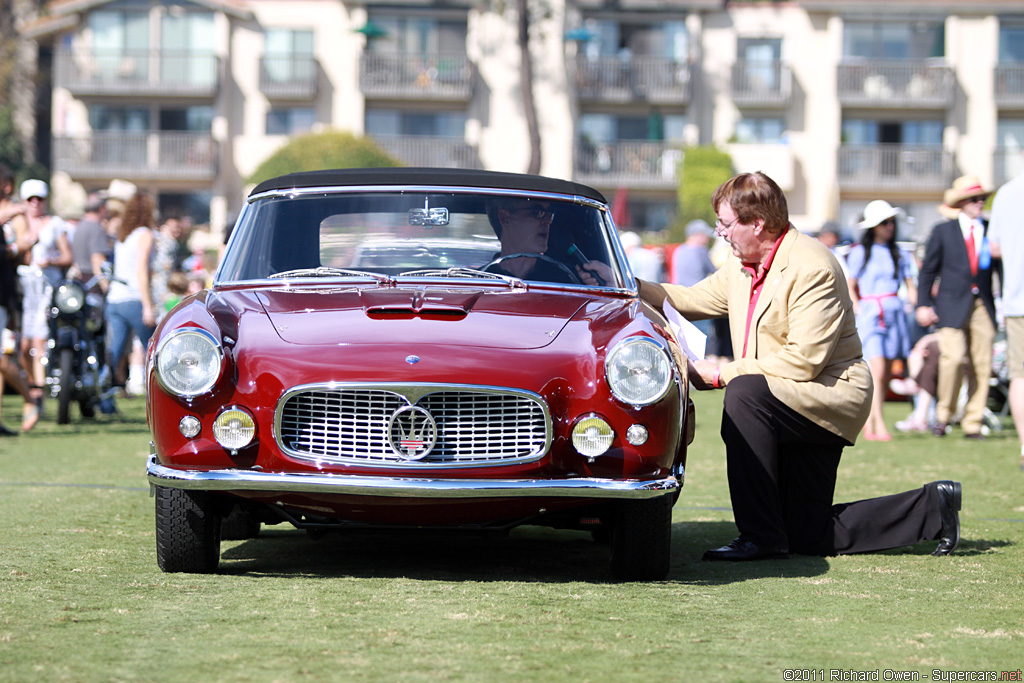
x=434 y=177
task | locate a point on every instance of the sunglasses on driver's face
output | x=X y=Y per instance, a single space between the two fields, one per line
x=538 y=214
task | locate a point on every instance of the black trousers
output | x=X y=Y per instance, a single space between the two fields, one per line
x=782 y=476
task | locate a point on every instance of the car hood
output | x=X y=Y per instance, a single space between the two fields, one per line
x=484 y=318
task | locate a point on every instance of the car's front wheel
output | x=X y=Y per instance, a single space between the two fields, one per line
x=187 y=531
x=642 y=539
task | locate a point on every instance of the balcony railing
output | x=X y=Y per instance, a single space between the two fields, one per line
x=761 y=84
x=1008 y=163
x=163 y=155
x=137 y=72
x=1009 y=90
x=634 y=164
x=896 y=83
x=431 y=151
x=416 y=76
x=886 y=166
x=651 y=79
x=288 y=77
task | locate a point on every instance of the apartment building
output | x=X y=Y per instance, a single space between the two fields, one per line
x=840 y=101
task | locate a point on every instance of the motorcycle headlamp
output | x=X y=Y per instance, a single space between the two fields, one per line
x=68 y=298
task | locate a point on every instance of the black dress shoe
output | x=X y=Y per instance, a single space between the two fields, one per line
x=975 y=435
x=950 y=497
x=4 y=431
x=741 y=550
x=939 y=429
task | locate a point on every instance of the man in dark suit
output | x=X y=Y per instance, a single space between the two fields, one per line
x=963 y=309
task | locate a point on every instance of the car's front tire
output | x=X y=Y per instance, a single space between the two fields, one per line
x=642 y=539
x=187 y=531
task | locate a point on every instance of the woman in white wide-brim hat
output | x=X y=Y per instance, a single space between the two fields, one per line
x=877 y=269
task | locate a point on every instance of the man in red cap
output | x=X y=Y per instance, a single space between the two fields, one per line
x=963 y=310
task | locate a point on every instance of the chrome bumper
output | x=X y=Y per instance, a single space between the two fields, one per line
x=400 y=487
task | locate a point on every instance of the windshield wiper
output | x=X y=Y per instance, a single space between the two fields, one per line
x=326 y=271
x=461 y=272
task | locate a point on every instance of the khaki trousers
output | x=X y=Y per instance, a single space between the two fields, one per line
x=974 y=342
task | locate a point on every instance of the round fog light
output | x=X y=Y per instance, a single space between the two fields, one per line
x=189 y=426
x=592 y=436
x=637 y=435
x=234 y=428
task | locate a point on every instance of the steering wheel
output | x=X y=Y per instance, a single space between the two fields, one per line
x=573 y=278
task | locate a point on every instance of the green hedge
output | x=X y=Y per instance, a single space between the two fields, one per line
x=703 y=169
x=316 y=151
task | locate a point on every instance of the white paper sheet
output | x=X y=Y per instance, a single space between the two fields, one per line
x=691 y=339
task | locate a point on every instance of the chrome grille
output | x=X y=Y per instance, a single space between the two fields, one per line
x=475 y=425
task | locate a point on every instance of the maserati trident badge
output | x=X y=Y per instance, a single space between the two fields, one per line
x=412 y=432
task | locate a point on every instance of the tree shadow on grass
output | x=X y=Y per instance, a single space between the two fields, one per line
x=527 y=554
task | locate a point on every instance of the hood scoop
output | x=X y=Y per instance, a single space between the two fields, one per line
x=404 y=303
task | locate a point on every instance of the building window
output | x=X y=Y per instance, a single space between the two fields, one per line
x=623 y=39
x=894 y=39
x=1011 y=44
x=289 y=55
x=605 y=128
x=290 y=120
x=874 y=132
x=107 y=118
x=759 y=130
x=390 y=122
x=414 y=35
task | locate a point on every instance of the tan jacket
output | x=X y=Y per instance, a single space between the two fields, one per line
x=803 y=336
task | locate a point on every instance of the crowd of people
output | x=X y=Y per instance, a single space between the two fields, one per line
x=118 y=243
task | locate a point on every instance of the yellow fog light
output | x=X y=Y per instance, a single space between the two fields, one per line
x=592 y=436
x=234 y=428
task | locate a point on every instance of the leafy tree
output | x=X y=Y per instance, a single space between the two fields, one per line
x=329 y=149
x=703 y=169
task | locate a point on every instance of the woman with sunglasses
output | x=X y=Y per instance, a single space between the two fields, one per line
x=877 y=270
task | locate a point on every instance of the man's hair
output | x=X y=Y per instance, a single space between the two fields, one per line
x=495 y=205
x=753 y=196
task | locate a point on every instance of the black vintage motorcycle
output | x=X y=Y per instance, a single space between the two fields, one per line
x=77 y=368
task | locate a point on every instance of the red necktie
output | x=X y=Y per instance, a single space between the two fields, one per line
x=972 y=256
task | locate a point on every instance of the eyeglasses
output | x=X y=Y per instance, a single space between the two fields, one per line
x=538 y=214
x=720 y=226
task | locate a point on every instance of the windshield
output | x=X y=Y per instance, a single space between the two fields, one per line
x=394 y=235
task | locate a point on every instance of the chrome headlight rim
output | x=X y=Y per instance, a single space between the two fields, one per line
x=68 y=297
x=662 y=354
x=201 y=388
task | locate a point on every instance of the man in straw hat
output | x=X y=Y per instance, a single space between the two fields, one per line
x=963 y=311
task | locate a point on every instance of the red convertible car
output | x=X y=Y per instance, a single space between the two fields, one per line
x=418 y=349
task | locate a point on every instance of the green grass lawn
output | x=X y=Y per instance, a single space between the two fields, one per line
x=82 y=599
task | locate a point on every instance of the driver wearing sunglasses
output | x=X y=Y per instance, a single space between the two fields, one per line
x=523 y=226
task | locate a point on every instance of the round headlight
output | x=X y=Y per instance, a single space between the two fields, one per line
x=639 y=371
x=234 y=428
x=592 y=436
x=69 y=297
x=188 y=361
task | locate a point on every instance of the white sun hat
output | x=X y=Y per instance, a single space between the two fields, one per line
x=34 y=188
x=876 y=212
